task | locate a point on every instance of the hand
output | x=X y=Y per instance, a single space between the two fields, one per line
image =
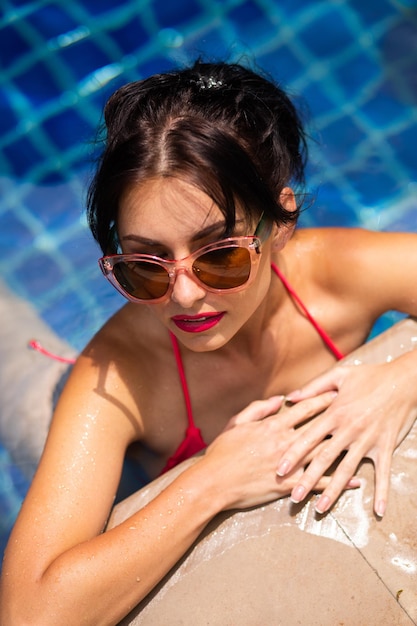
x=371 y=413
x=247 y=451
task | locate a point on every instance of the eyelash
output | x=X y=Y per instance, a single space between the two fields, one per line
x=164 y=254
x=200 y=243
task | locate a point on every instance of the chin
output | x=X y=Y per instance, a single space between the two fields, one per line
x=203 y=342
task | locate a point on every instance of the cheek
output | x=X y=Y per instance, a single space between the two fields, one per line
x=261 y=284
x=247 y=301
x=260 y=288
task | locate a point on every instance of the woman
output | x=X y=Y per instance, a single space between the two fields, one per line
x=200 y=166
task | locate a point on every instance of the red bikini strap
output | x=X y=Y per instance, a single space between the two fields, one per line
x=183 y=380
x=329 y=343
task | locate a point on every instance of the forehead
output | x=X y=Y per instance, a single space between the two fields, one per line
x=166 y=204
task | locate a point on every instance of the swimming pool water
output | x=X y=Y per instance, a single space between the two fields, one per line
x=352 y=61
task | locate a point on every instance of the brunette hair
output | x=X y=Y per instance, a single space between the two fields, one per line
x=221 y=127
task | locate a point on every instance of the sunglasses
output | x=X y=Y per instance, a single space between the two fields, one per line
x=227 y=265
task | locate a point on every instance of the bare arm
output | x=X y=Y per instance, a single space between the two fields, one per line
x=59 y=567
x=376 y=405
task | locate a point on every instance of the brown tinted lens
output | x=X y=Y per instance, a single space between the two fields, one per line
x=224 y=268
x=142 y=279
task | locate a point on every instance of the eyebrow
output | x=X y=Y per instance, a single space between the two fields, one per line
x=205 y=232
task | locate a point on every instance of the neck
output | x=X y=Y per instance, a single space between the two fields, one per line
x=258 y=335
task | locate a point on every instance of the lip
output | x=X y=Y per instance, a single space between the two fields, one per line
x=197 y=323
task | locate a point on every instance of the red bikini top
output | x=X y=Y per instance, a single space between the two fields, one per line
x=193 y=441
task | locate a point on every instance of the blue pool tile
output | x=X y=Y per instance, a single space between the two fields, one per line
x=331 y=208
x=13 y=488
x=372 y=181
x=399 y=43
x=372 y=12
x=9 y=117
x=383 y=107
x=52 y=20
x=282 y=63
x=213 y=45
x=100 y=7
x=85 y=57
x=169 y=14
x=340 y=138
x=327 y=34
x=22 y=155
x=53 y=176
x=47 y=87
x=70 y=311
x=13 y=44
x=130 y=36
x=294 y=8
x=155 y=64
x=403 y=219
x=399 y=58
x=38 y=275
x=404 y=143
x=54 y=206
x=251 y=23
x=316 y=101
x=13 y=232
x=67 y=128
x=357 y=74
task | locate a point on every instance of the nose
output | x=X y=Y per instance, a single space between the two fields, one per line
x=186 y=291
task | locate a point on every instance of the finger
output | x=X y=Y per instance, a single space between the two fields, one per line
x=295 y=414
x=309 y=437
x=328 y=381
x=308 y=458
x=258 y=410
x=342 y=477
x=324 y=482
x=382 y=482
x=324 y=456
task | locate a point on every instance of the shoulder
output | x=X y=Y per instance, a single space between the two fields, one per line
x=106 y=376
x=349 y=245
x=119 y=368
x=357 y=262
x=325 y=253
x=348 y=240
x=132 y=333
x=342 y=241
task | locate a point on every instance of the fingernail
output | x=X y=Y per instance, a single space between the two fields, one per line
x=298 y=494
x=283 y=467
x=322 y=505
x=293 y=395
x=354 y=483
x=380 y=508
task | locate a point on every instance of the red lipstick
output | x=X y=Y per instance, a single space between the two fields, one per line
x=197 y=323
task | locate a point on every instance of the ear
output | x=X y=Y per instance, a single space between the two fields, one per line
x=284 y=232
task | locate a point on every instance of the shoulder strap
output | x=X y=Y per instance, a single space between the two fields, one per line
x=327 y=340
x=183 y=380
